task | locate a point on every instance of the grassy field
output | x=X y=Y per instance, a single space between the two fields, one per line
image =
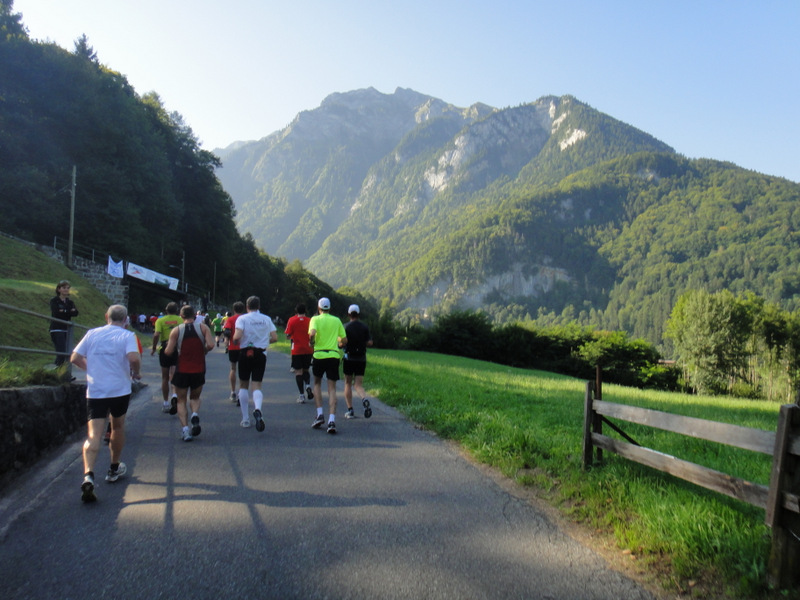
x=28 y=280
x=527 y=425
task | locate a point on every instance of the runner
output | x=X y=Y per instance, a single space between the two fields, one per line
x=163 y=327
x=326 y=336
x=233 y=349
x=254 y=333
x=297 y=332
x=190 y=342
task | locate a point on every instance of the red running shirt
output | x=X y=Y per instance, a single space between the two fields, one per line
x=297 y=329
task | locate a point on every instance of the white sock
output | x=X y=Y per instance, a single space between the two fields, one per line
x=319 y=411
x=244 y=402
x=331 y=418
x=258 y=399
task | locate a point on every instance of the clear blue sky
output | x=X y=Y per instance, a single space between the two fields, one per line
x=712 y=78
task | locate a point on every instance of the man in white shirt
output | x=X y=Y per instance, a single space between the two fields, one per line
x=254 y=333
x=110 y=356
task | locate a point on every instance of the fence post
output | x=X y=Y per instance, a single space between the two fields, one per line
x=783 y=571
x=597 y=422
x=588 y=420
x=70 y=347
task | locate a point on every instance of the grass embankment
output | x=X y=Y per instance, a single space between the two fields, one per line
x=28 y=280
x=528 y=425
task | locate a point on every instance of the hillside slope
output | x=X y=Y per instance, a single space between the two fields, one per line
x=28 y=280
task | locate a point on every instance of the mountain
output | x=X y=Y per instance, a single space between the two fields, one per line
x=548 y=208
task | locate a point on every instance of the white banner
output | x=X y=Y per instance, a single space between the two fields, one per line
x=115 y=269
x=151 y=276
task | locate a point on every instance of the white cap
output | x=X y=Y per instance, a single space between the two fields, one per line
x=324 y=304
x=353 y=309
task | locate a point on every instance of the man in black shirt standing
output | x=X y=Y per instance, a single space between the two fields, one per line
x=355 y=361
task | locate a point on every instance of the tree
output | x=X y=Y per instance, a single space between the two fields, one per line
x=83 y=49
x=710 y=333
x=11 y=26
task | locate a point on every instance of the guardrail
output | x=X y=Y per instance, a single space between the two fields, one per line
x=70 y=336
x=781 y=499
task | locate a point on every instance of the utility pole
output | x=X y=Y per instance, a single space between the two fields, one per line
x=71 y=218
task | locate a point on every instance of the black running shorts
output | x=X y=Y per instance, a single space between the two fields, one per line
x=188 y=381
x=354 y=367
x=99 y=408
x=252 y=364
x=329 y=367
x=166 y=360
x=301 y=362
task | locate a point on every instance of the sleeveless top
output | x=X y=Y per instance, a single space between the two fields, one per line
x=191 y=353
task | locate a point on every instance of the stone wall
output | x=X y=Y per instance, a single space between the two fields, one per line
x=35 y=420
x=97 y=274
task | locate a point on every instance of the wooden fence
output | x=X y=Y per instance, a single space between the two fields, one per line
x=779 y=499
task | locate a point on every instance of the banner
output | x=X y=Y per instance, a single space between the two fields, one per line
x=151 y=276
x=115 y=269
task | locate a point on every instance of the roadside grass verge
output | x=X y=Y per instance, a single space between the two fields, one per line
x=528 y=424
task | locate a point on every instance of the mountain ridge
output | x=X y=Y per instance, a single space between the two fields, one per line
x=432 y=207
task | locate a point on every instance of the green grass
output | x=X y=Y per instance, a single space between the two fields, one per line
x=528 y=424
x=28 y=280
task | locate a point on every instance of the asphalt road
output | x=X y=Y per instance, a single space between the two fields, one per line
x=380 y=510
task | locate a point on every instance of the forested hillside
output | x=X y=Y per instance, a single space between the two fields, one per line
x=550 y=211
x=146 y=191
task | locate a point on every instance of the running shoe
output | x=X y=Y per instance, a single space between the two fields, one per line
x=350 y=414
x=309 y=392
x=186 y=436
x=113 y=474
x=234 y=398
x=245 y=423
x=332 y=427
x=173 y=405
x=165 y=406
x=367 y=409
x=195 y=421
x=301 y=399
x=259 y=420
x=318 y=422
x=87 y=489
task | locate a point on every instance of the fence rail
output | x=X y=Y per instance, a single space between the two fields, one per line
x=781 y=499
x=70 y=334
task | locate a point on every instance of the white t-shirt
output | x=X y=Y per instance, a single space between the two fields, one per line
x=108 y=371
x=256 y=328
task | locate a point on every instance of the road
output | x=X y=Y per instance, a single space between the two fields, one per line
x=380 y=510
